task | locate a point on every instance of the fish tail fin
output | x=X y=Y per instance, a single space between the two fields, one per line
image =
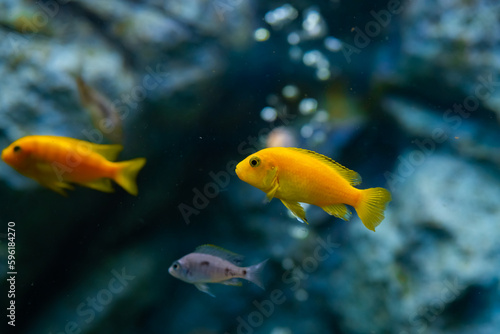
x=254 y=274
x=127 y=174
x=372 y=205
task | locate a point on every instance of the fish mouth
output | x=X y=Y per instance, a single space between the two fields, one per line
x=237 y=171
x=4 y=152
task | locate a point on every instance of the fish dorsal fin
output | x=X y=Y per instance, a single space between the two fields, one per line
x=234 y=258
x=110 y=152
x=351 y=176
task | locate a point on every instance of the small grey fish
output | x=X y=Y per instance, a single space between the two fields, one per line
x=212 y=264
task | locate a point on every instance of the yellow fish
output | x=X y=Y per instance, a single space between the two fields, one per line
x=55 y=162
x=297 y=176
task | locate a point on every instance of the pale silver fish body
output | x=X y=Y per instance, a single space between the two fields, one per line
x=211 y=264
x=206 y=268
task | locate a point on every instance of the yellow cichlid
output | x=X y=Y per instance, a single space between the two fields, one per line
x=297 y=176
x=55 y=162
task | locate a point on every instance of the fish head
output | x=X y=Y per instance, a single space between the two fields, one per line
x=257 y=170
x=180 y=269
x=17 y=154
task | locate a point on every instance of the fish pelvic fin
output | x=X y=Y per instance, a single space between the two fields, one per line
x=254 y=274
x=297 y=210
x=204 y=288
x=127 y=174
x=338 y=210
x=58 y=187
x=372 y=205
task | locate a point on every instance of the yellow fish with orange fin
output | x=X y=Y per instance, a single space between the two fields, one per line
x=295 y=176
x=56 y=162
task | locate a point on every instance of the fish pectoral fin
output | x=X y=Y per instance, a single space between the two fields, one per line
x=99 y=184
x=272 y=179
x=43 y=168
x=204 y=288
x=233 y=282
x=338 y=210
x=297 y=210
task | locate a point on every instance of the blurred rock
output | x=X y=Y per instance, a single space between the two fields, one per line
x=427 y=260
x=453 y=44
x=132 y=53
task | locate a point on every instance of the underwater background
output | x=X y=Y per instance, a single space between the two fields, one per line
x=406 y=93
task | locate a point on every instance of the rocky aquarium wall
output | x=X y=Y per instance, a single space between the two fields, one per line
x=404 y=93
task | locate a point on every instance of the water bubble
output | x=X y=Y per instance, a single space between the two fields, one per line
x=281 y=15
x=307 y=106
x=333 y=44
x=268 y=114
x=281 y=137
x=298 y=232
x=261 y=34
x=295 y=53
x=290 y=91
x=270 y=18
x=319 y=137
x=293 y=38
x=312 y=19
x=323 y=73
x=313 y=23
x=301 y=295
x=320 y=116
x=311 y=58
x=306 y=131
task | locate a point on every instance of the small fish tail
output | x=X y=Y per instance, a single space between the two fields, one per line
x=254 y=274
x=372 y=205
x=127 y=174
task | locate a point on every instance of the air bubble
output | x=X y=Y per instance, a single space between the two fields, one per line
x=261 y=34
x=308 y=106
x=268 y=114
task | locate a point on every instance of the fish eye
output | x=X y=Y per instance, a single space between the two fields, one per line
x=17 y=148
x=254 y=161
x=175 y=266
